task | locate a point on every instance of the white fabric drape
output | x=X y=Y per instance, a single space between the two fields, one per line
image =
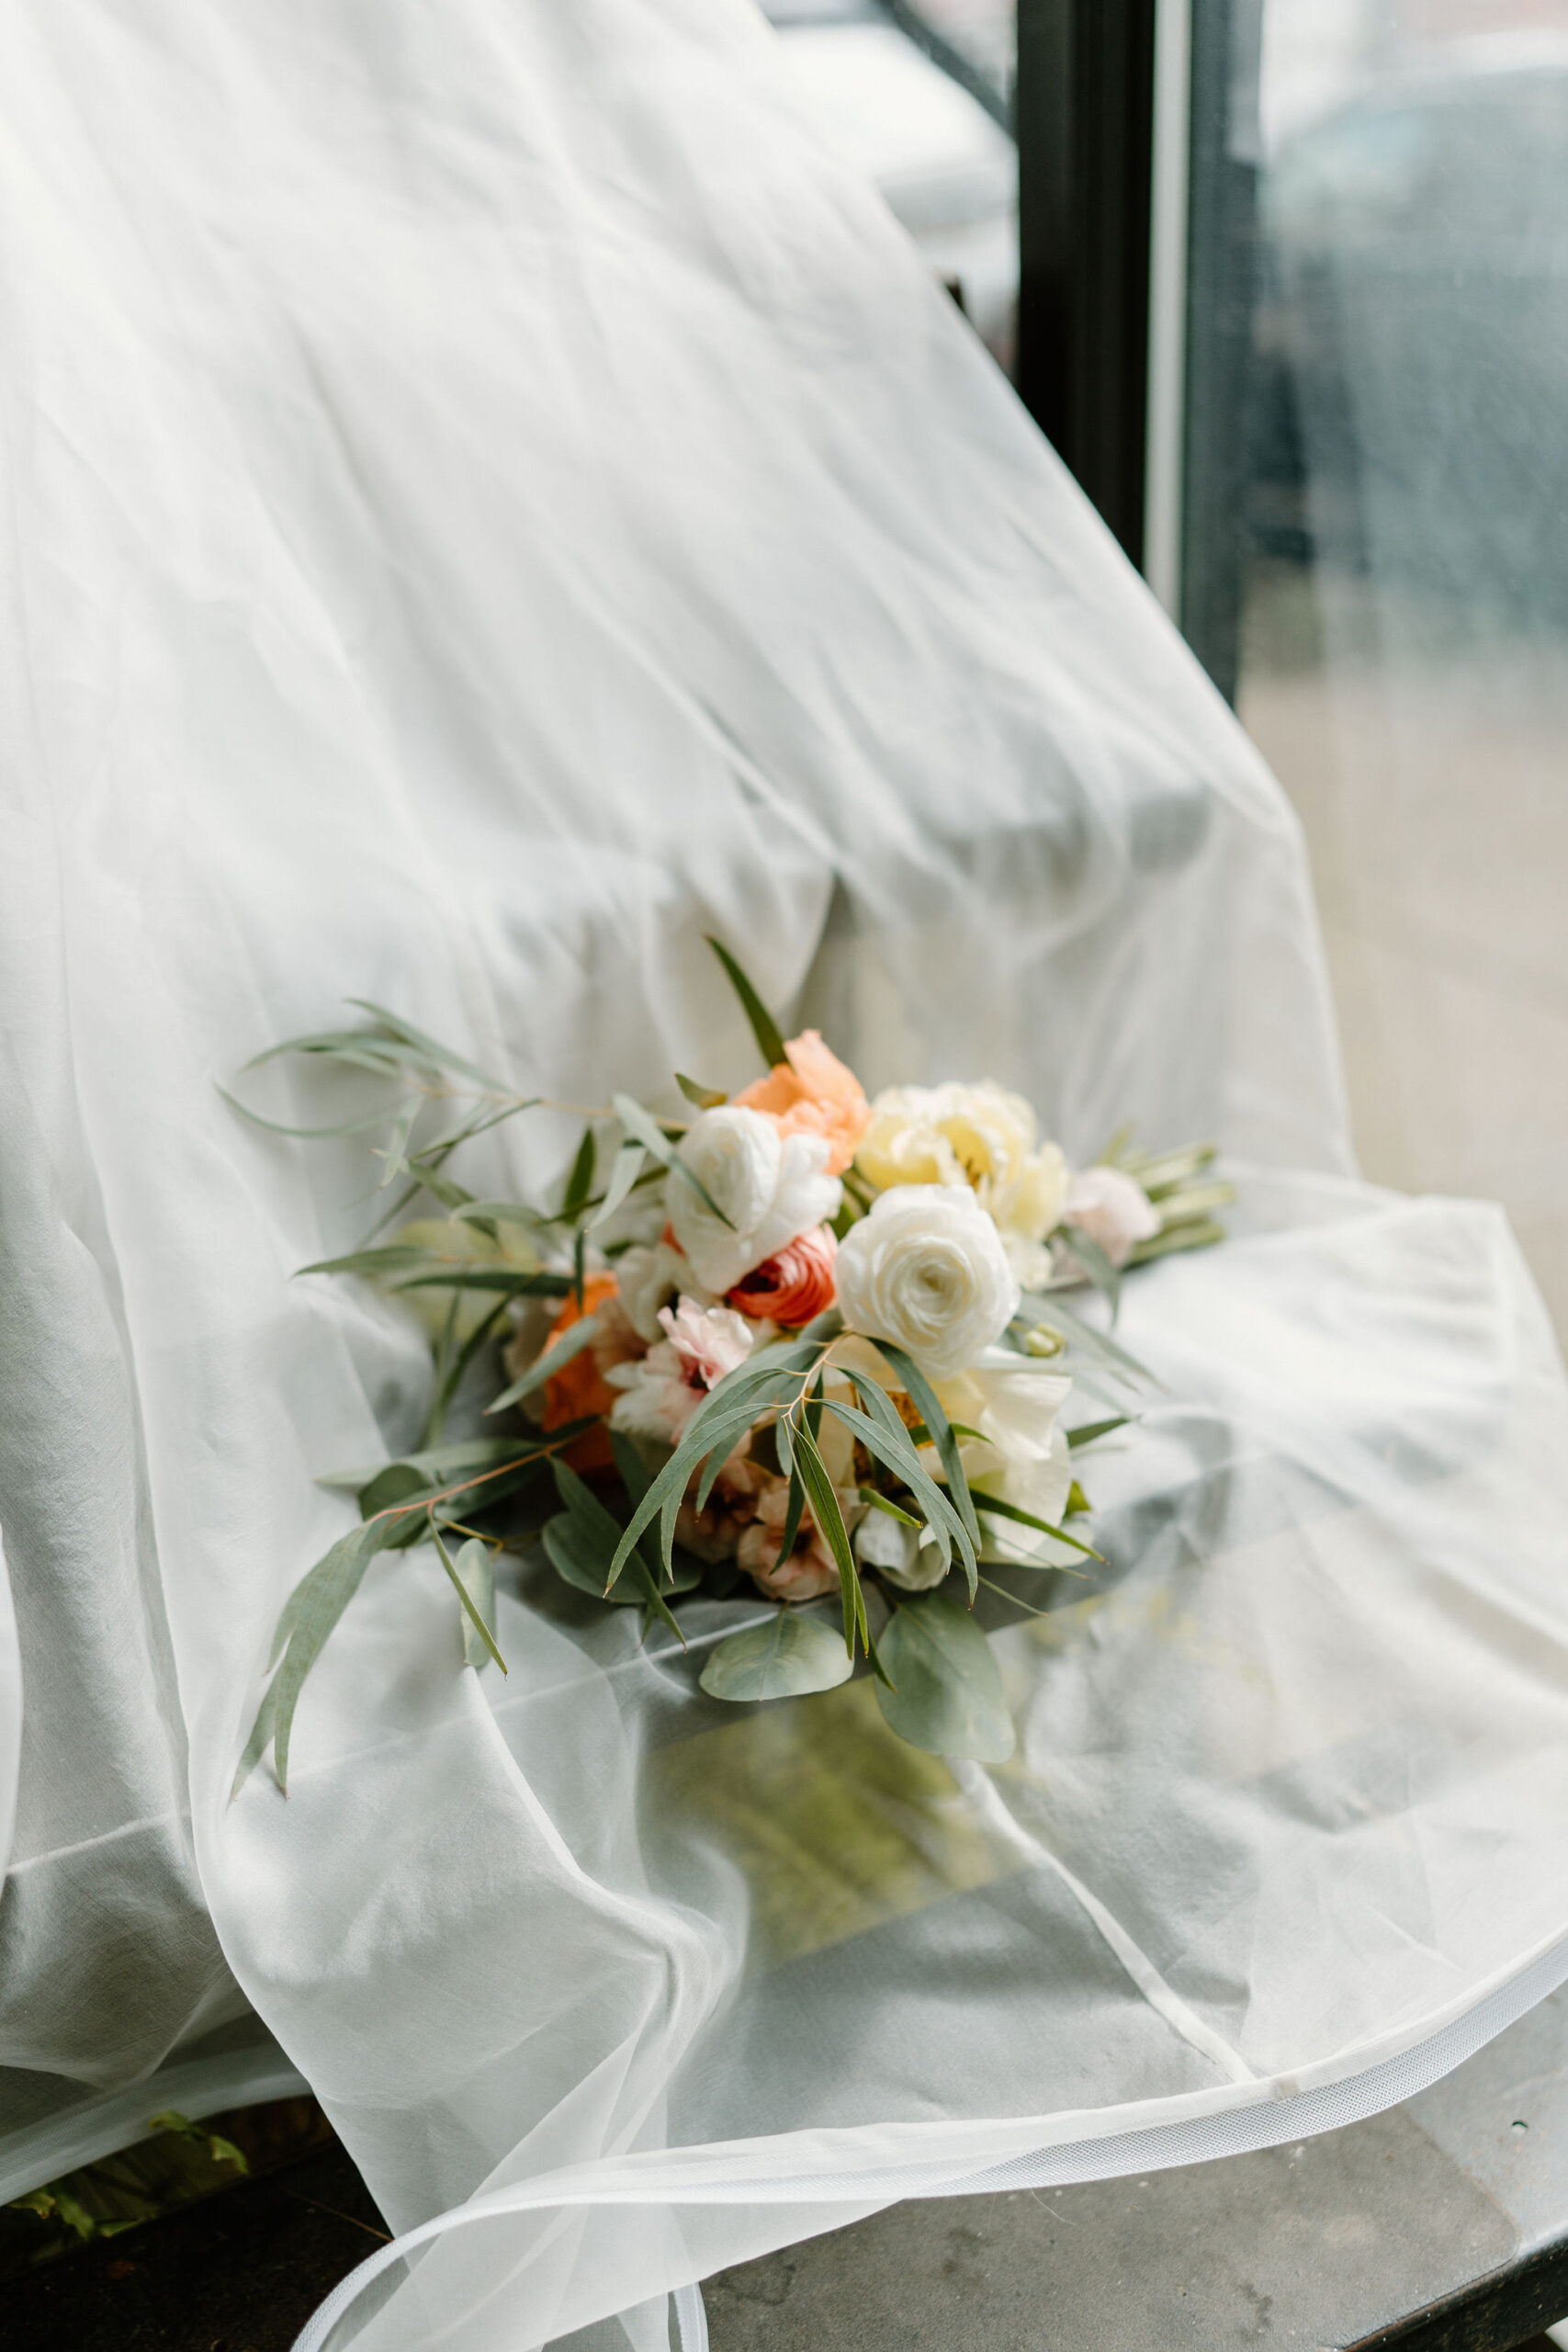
x=486 y=502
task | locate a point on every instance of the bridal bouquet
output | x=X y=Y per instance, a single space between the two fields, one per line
x=798 y=1345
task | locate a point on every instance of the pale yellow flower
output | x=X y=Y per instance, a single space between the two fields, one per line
x=981 y=1136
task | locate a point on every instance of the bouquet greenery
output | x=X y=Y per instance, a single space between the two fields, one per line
x=797 y=1344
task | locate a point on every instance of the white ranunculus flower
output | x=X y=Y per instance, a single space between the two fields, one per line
x=981 y=1136
x=771 y=1187
x=926 y=1268
x=1021 y=1454
x=652 y=1276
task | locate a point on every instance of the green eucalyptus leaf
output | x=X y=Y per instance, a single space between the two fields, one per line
x=627 y=1168
x=473 y=1576
x=275 y=1126
x=876 y=1501
x=579 y=1182
x=787 y=1657
x=764 y=1028
x=508 y=1279
x=927 y=1404
x=1087 y=1431
x=947 y=1688
x=577 y=1336
x=819 y=1493
x=438 y=1056
x=387 y=1258
x=992 y=1505
x=706 y=1098
x=326 y=1592
x=579 y=1558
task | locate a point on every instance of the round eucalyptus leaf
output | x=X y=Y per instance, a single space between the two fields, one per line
x=784 y=1659
x=948 y=1688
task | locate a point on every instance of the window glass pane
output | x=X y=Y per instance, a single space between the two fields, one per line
x=918 y=98
x=1404 y=643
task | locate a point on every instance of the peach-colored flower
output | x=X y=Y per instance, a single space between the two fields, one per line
x=812 y=1093
x=793 y=1285
x=808 y=1570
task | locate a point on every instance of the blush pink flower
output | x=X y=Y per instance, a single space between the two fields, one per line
x=812 y=1093
x=1113 y=1209
x=793 y=1285
x=660 y=1392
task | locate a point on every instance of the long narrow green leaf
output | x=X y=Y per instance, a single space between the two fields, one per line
x=1088 y=1431
x=794 y=1511
x=940 y=1506
x=992 y=1504
x=764 y=1028
x=623 y=1176
x=469 y=1570
x=333 y=1586
x=469 y=1211
x=582 y=1334
x=442 y=1055
x=929 y=1406
x=452 y=1379
x=899 y=1457
x=877 y=1501
x=255 y=1746
x=362 y=1049
x=579 y=1182
x=706 y=1098
x=275 y=1126
x=386 y=1258
x=444 y=1145
x=829 y=1519
x=510 y=1279
x=398 y=1142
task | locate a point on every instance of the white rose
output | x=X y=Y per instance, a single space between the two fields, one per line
x=1113 y=1209
x=926 y=1268
x=771 y=1187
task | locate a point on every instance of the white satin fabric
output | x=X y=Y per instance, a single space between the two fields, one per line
x=486 y=500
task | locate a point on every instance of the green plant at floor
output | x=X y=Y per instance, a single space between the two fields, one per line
x=181 y=2163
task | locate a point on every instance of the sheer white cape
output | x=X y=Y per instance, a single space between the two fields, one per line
x=486 y=502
